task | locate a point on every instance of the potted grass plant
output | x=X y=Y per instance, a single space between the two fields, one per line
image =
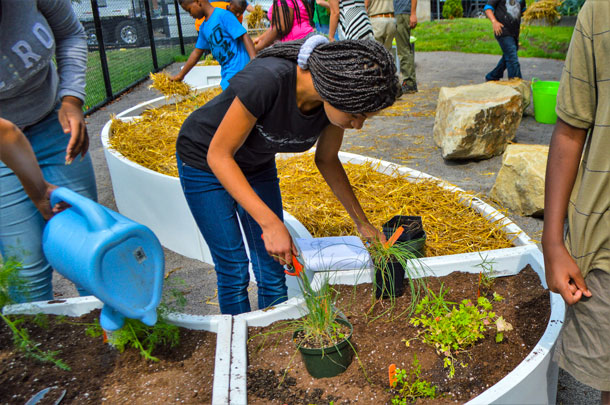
x=322 y=336
x=397 y=258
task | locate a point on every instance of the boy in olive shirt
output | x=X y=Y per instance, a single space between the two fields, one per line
x=578 y=182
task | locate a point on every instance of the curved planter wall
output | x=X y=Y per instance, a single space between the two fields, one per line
x=219 y=324
x=156 y=200
x=533 y=381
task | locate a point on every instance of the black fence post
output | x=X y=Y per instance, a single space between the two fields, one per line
x=151 y=36
x=101 y=48
x=179 y=25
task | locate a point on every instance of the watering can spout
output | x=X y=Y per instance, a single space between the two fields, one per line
x=116 y=259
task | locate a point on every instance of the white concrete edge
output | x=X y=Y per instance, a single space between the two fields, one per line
x=222 y=365
x=238 y=390
x=219 y=324
x=540 y=356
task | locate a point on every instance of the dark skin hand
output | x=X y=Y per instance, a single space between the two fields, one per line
x=562 y=274
x=72 y=121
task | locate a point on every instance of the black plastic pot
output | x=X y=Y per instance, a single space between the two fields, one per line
x=413 y=235
x=389 y=280
x=328 y=361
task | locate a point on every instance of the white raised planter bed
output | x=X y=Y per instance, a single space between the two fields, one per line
x=219 y=324
x=533 y=381
x=156 y=200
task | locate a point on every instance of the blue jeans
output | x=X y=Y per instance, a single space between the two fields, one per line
x=509 y=60
x=21 y=224
x=218 y=217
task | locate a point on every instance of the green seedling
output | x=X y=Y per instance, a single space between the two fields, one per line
x=453 y=328
x=10 y=281
x=486 y=279
x=410 y=387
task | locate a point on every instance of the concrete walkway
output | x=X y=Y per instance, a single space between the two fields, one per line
x=406 y=141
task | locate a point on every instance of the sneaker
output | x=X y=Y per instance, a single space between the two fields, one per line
x=408 y=88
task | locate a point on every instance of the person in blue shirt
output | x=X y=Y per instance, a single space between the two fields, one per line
x=223 y=35
x=505 y=17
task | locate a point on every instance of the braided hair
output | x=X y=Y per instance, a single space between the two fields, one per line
x=354 y=76
x=284 y=8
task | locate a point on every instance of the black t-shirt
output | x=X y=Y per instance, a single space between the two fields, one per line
x=508 y=12
x=267 y=88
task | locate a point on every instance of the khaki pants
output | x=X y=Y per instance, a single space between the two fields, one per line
x=583 y=347
x=384 y=29
x=403 y=46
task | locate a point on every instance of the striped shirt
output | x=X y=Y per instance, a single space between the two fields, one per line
x=354 y=23
x=583 y=101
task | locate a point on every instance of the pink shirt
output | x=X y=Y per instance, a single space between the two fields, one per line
x=300 y=28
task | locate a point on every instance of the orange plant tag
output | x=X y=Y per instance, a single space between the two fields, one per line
x=394 y=236
x=392 y=375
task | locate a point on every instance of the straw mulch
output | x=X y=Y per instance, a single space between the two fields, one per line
x=150 y=140
x=542 y=10
x=255 y=19
x=450 y=226
x=169 y=88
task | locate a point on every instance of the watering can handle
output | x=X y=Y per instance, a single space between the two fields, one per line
x=97 y=218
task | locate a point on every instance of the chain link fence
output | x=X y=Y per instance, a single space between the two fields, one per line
x=128 y=39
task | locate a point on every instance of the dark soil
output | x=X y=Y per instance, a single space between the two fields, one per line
x=379 y=343
x=100 y=374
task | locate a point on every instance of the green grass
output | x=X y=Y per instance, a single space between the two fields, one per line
x=473 y=35
x=125 y=67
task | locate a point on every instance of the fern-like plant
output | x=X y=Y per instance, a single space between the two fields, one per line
x=11 y=281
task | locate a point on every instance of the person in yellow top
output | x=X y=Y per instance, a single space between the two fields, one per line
x=237 y=7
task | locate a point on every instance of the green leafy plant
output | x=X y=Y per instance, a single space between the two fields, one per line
x=10 y=281
x=453 y=9
x=453 y=328
x=570 y=7
x=410 y=387
x=145 y=338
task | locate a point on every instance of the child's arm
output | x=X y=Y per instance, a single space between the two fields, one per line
x=562 y=274
x=16 y=152
x=329 y=165
x=229 y=137
x=190 y=63
x=496 y=25
x=323 y=3
x=334 y=19
x=266 y=39
x=249 y=45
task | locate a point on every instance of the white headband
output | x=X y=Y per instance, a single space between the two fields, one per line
x=307 y=48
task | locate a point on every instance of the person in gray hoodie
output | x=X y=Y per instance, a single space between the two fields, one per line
x=40 y=99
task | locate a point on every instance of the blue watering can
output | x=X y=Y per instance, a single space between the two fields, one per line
x=114 y=258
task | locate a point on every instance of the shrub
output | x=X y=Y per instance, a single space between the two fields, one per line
x=570 y=7
x=453 y=9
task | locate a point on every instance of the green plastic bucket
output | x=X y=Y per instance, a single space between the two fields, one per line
x=545 y=99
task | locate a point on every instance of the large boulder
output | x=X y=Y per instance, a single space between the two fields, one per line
x=476 y=121
x=523 y=87
x=520 y=182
